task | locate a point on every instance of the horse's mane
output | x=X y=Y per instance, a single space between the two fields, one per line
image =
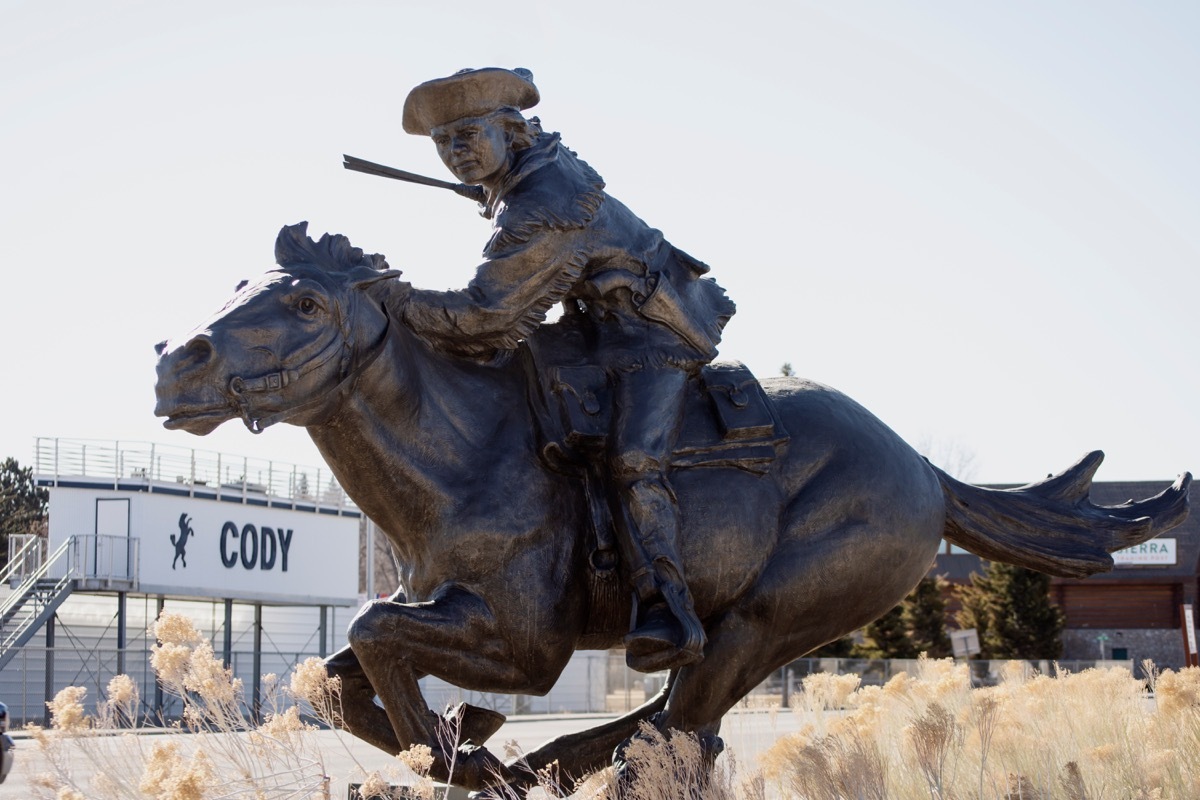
x=332 y=252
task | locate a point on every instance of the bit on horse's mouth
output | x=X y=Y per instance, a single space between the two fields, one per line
x=200 y=421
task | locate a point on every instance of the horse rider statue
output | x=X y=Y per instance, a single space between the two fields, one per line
x=653 y=320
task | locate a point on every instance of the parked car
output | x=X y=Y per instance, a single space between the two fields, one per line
x=6 y=744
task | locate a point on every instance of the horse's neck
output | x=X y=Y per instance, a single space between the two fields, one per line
x=417 y=432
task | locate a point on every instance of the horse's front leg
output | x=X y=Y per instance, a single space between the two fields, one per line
x=454 y=637
x=358 y=712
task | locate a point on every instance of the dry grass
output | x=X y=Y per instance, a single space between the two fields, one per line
x=227 y=756
x=1086 y=736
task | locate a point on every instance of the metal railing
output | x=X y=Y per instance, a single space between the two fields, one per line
x=104 y=557
x=22 y=605
x=26 y=553
x=36 y=673
x=23 y=682
x=626 y=689
x=201 y=472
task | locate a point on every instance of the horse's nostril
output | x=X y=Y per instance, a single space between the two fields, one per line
x=199 y=350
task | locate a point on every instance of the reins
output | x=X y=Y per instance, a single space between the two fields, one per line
x=239 y=387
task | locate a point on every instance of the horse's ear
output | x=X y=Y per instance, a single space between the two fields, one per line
x=386 y=274
x=241 y=285
x=374 y=261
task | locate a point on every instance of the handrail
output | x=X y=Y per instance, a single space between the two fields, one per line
x=32 y=616
x=106 y=557
x=17 y=560
x=27 y=589
x=171 y=468
x=29 y=583
x=33 y=598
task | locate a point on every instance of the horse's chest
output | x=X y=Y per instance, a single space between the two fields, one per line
x=504 y=543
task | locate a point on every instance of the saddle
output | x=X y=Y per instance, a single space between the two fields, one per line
x=728 y=423
x=728 y=420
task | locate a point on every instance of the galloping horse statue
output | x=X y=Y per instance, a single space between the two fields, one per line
x=505 y=573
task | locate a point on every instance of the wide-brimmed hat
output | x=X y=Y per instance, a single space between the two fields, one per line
x=467 y=93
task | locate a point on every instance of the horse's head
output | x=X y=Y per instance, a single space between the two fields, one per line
x=280 y=349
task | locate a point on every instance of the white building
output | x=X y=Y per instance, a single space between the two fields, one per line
x=262 y=556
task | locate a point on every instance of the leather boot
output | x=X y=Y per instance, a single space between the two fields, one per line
x=667 y=633
x=659 y=641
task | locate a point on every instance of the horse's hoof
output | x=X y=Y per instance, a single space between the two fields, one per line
x=476 y=769
x=625 y=770
x=472 y=724
x=488 y=794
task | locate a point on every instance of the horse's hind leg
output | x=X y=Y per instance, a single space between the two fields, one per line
x=583 y=752
x=798 y=604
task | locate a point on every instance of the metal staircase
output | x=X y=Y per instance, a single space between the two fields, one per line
x=36 y=596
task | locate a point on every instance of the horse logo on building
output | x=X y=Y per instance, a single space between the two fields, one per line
x=180 y=541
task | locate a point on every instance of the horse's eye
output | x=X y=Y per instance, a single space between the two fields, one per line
x=308 y=306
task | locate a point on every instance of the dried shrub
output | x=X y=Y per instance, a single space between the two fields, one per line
x=1084 y=736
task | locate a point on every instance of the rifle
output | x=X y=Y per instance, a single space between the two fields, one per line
x=475 y=193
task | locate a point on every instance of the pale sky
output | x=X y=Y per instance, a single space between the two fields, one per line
x=978 y=220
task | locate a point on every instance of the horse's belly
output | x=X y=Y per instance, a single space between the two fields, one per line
x=730 y=528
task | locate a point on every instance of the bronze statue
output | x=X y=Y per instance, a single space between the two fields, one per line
x=489 y=447
x=652 y=320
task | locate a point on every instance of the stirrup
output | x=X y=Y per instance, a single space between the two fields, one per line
x=661 y=660
x=655 y=644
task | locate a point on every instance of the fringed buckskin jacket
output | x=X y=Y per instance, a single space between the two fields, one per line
x=558 y=237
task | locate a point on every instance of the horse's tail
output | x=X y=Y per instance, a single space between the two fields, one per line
x=1053 y=526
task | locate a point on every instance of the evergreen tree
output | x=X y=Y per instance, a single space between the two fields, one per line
x=888 y=637
x=22 y=503
x=1010 y=608
x=925 y=618
x=974 y=600
x=838 y=648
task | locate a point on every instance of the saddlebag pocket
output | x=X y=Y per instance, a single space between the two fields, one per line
x=739 y=400
x=582 y=394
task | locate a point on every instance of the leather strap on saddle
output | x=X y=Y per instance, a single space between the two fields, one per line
x=728 y=422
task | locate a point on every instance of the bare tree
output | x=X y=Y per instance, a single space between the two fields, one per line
x=955 y=458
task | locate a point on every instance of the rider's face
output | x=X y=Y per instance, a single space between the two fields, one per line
x=476 y=150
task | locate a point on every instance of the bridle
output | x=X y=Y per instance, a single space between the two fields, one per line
x=338 y=345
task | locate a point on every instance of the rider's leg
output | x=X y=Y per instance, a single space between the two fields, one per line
x=648 y=413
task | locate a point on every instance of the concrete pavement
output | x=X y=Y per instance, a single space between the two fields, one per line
x=747 y=734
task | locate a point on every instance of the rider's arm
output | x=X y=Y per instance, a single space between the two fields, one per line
x=507 y=298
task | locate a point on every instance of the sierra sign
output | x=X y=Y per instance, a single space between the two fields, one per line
x=1156 y=551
